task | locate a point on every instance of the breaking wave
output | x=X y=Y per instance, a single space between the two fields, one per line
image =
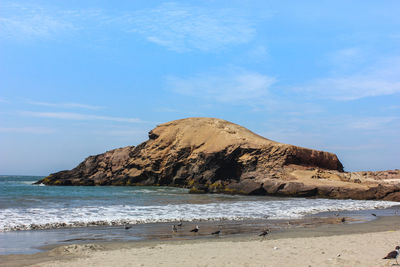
x=290 y=208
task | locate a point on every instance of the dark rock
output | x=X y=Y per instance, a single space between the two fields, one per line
x=215 y=156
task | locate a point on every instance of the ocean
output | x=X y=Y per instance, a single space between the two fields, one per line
x=36 y=215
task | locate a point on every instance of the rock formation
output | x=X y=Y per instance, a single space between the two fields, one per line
x=216 y=156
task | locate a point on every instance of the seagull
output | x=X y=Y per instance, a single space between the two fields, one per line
x=343 y=219
x=195 y=230
x=126 y=226
x=393 y=255
x=216 y=232
x=264 y=233
x=373 y=214
x=174 y=229
x=179 y=224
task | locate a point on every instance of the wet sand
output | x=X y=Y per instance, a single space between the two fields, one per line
x=315 y=242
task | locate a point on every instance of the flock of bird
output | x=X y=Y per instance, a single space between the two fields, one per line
x=390 y=256
x=175 y=228
x=194 y=230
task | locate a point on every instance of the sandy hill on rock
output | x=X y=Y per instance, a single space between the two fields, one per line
x=214 y=155
x=207 y=134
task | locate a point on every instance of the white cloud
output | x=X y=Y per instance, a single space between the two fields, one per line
x=233 y=86
x=373 y=123
x=182 y=27
x=179 y=27
x=124 y=132
x=258 y=53
x=78 y=116
x=29 y=21
x=21 y=22
x=28 y=130
x=64 y=105
x=348 y=59
x=380 y=78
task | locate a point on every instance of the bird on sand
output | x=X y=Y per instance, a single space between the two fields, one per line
x=174 y=229
x=373 y=214
x=195 y=230
x=393 y=255
x=216 y=232
x=179 y=224
x=264 y=233
x=343 y=219
x=126 y=226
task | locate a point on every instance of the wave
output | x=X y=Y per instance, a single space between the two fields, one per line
x=292 y=208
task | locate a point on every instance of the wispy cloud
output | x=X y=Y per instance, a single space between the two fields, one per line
x=348 y=59
x=28 y=21
x=27 y=130
x=183 y=27
x=64 y=105
x=373 y=123
x=178 y=27
x=258 y=53
x=380 y=78
x=123 y=132
x=78 y=116
x=19 y=21
x=232 y=86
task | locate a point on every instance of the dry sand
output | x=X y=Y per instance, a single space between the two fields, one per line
x=328 y=245
x=344 y=250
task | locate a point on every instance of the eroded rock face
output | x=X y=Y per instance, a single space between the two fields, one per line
x=213 y=155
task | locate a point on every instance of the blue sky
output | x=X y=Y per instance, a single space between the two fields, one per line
x=77 y=79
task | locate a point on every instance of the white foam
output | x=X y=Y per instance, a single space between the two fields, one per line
x=33 y=218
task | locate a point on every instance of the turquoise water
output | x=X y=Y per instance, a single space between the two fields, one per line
x=24 y=206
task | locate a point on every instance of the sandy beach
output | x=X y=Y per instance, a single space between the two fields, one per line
x=356 y=244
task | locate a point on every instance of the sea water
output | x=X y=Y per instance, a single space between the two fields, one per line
x=24 y=206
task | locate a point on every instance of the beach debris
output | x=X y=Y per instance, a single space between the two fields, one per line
x=393 y=255
x=76 y=249
x=264 y=233
x=127 y=226
x=195 y=230
x=338 y=255
x=174 y=229
x=276 y=248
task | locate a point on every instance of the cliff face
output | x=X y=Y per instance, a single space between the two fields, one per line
x=213 y=155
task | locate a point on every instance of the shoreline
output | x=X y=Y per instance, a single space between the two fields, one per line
x=303 y=232
x=39 y=240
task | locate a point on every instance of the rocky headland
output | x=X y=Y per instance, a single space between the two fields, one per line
x=210 y=155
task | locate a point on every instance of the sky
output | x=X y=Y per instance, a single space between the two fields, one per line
x=78 y=78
